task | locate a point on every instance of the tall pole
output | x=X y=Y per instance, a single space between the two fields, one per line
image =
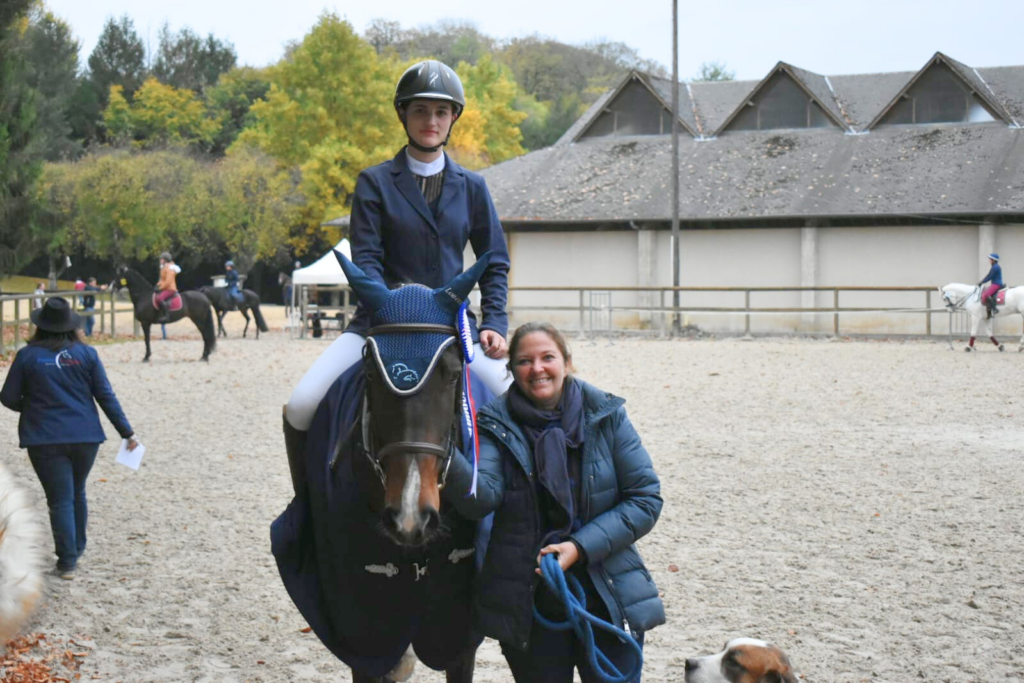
x=676 y=324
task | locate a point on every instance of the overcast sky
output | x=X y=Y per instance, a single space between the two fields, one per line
x=749 y=36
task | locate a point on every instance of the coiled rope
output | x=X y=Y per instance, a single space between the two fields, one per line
x=582 y=622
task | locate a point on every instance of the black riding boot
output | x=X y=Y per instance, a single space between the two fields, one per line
x=295 y=445
x=162 y=314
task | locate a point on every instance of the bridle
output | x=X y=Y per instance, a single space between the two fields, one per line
x=442 y=452
x=957 y=305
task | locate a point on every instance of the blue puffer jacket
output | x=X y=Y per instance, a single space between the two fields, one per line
x=621 y=501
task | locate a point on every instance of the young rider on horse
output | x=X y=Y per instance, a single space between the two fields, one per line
x=167 y=286
x=231 y=280
x=995 y=277
x=412 y=217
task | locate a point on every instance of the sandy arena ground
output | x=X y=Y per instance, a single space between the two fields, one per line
x=858 y=503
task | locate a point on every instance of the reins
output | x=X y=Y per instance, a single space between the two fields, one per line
x=574 y=600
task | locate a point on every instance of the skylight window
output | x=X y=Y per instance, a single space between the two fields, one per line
x=781 y=103
x=938 y=96
x=634 y=111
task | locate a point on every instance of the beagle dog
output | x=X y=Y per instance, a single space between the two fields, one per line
x=744 y=660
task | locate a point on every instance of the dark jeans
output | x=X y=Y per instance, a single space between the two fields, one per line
x=552 y=655
x=62 y=469
x=88 y=321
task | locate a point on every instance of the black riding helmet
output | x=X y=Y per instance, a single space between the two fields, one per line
x=430 y=80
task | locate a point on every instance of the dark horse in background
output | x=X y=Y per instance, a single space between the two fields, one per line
x=195 y=306
x=377 y=563
x=223 y=303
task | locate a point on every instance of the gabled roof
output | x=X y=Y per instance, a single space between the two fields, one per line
x=895 y=171
x=970 y=77
x=663 y=95
x=814 y=85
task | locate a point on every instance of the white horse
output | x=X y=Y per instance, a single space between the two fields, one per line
x=959 y=296
x=21 y=556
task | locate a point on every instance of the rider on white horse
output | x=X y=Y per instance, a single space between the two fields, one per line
x=995 y=277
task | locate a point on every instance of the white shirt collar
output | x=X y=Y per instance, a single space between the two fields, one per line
x=422 y=169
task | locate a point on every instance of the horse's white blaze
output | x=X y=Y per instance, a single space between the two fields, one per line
x=409 y=513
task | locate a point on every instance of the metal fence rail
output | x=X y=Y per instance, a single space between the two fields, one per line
x=107 y=311
x=597 y=301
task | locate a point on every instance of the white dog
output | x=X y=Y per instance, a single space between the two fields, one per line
x=744 y=660
x=21 y=556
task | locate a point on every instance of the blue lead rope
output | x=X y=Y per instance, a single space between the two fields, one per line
x=582 y=623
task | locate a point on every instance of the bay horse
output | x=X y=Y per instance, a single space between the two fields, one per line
x=381 y=566
x=195 y=306
x=958 y=296
x=223 y=303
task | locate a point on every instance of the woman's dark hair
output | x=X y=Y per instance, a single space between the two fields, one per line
x=55 y=341
x=546 y=328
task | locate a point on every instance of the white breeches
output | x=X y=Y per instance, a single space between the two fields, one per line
x=346 y=351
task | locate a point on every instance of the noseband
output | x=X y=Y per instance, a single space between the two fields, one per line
x=442 y=452
x=957 y=305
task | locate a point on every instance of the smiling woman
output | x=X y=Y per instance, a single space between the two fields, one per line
x=565 y=474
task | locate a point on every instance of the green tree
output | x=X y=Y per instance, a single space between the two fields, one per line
x=255 y=206
x=162 y=114
x=230 y=101
x=491 y=91
x=328 y=114
x=713 y=71
x=119 y=58
x=20 y=147
x=186 y=61
x=52 y=59
x=117 y=117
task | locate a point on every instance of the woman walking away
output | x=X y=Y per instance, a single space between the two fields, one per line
x=53 y=382
x=412 y=218
x=565 y=474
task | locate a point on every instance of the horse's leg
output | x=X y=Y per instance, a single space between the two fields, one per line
x=145 y=332
x=462 y=670
x=975 y=323
x=360 y=678
x=991 y=326
x=220 y=323
x=245 y=313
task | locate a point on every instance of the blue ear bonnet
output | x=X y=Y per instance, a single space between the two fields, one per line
x=406 y=359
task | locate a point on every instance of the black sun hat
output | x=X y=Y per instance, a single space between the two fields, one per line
x=56 y=316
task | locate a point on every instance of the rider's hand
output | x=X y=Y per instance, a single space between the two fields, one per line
x=567 y=553
x=493 y=344
x=132 y=443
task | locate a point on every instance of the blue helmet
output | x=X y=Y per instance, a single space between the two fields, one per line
x=229 y=263
x=994 y=257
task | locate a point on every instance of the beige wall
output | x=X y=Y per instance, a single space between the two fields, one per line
x=769 y=257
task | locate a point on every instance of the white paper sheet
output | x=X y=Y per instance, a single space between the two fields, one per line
x=129 y=458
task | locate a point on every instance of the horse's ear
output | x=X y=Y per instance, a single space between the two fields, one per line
x=451 y=296
x=369 y=291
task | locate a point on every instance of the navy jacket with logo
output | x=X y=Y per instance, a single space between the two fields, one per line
x=397 y=239
x=55 y=390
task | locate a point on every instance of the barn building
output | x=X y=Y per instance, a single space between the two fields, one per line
x=796 y=180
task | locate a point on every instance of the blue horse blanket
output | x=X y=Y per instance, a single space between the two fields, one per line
x=366 y=598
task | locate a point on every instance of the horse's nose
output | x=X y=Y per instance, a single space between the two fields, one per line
x=431 y=521
x=390 y=518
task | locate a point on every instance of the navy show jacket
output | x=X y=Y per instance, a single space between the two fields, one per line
x=54 y=392
x=397 y=239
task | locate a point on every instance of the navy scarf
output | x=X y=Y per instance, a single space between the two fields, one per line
x=552 y=433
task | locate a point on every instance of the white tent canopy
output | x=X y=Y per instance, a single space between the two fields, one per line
x=325 y=271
